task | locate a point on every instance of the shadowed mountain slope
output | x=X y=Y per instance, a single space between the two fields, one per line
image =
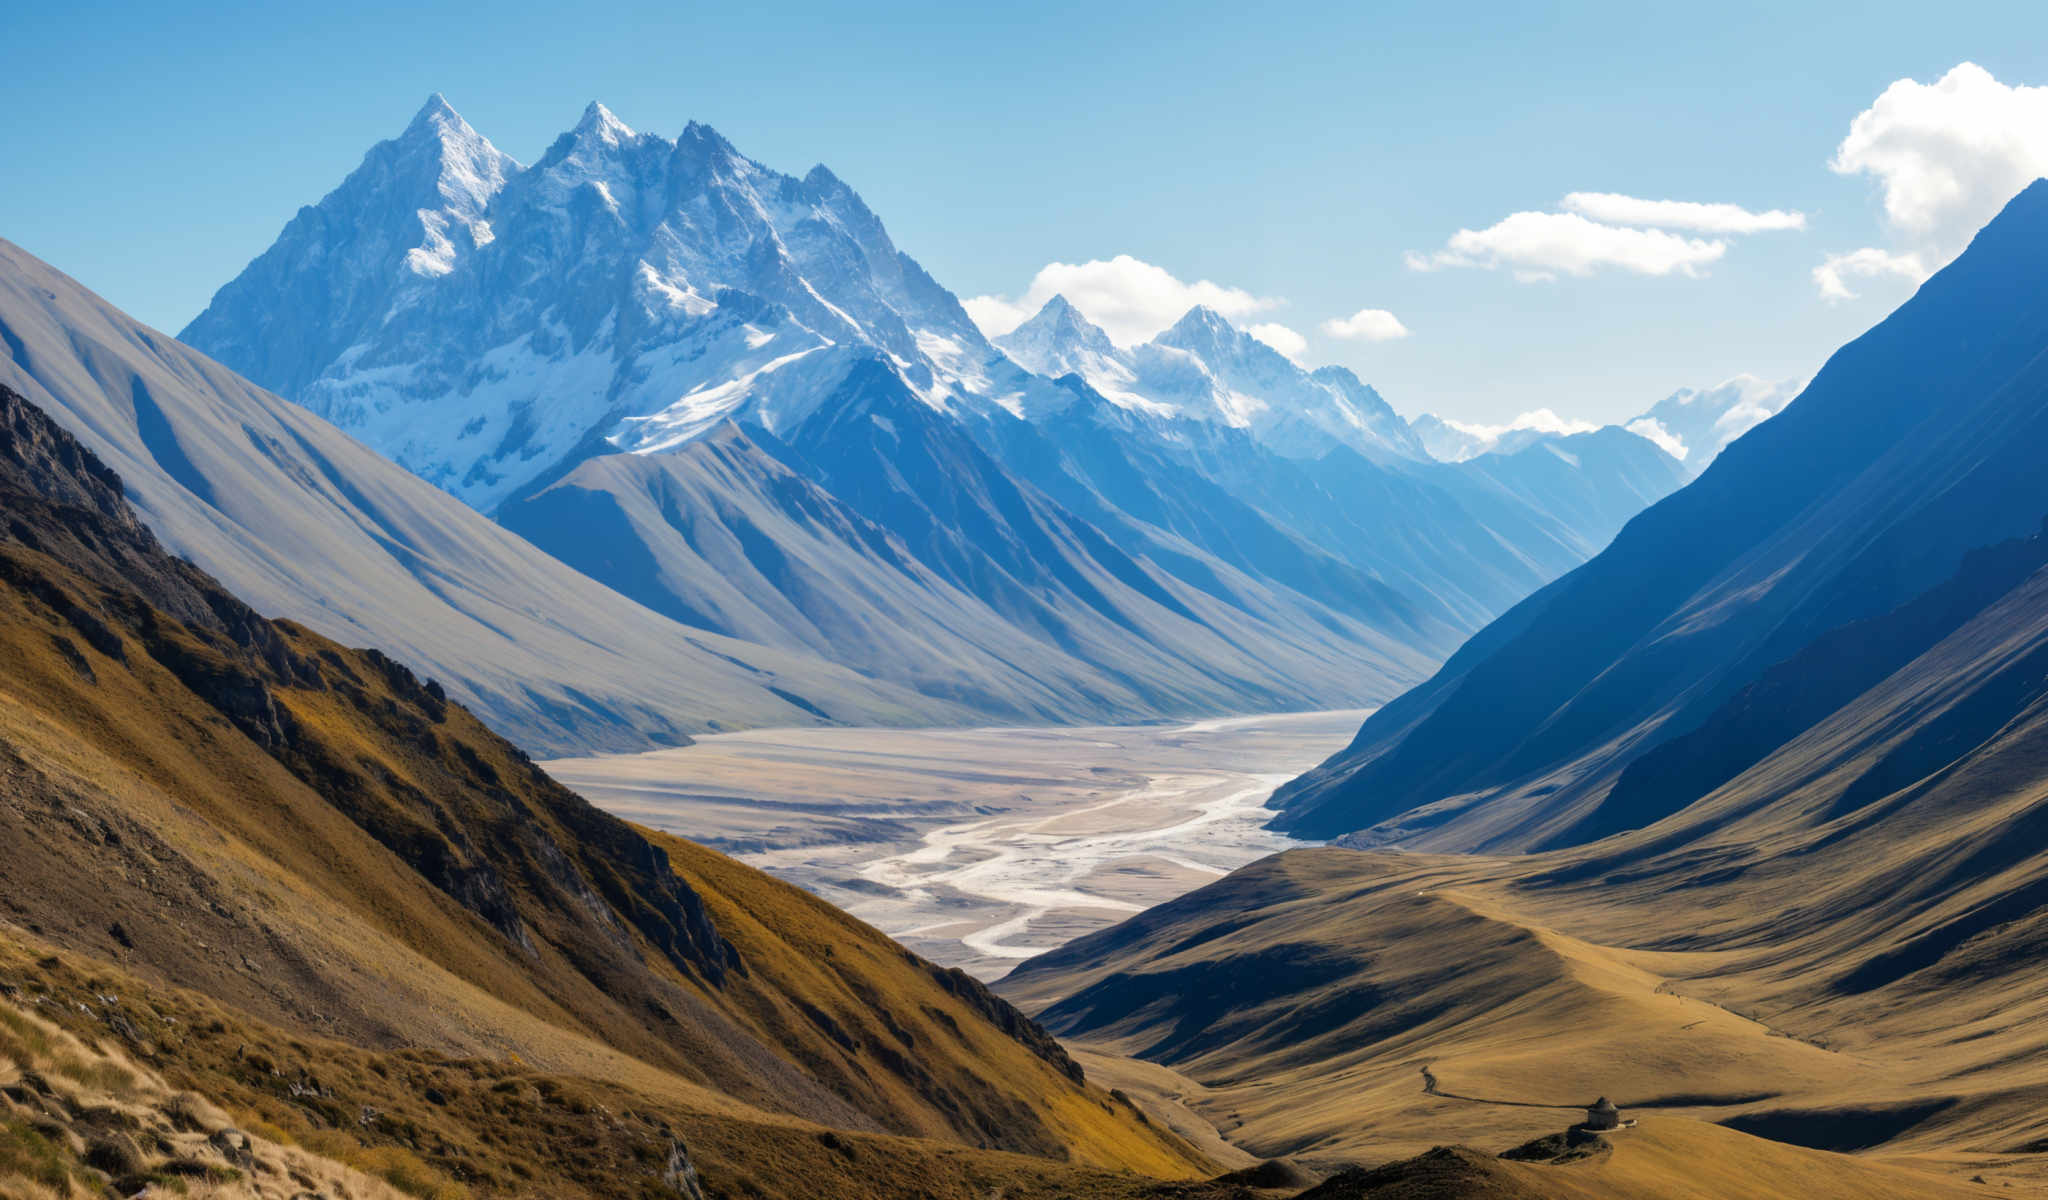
x=1916 y=443
x=307 y=524
x=879 y=533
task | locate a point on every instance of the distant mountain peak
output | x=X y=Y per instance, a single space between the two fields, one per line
x=700 y=282
x=1057 y=307
x=701 y=141
x=1694 y=425
x=435 y=115
x=1201 y=321
x=1069 y=322
x=600 y=122
x=821 y=181
x=1059 y=340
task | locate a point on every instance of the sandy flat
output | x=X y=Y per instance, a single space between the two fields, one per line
x=978 y=847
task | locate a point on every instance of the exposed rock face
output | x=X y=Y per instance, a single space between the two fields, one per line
x=1006 y=1017
x=680 y=1174
x=66 y=507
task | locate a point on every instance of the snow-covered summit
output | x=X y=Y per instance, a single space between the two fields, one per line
x=1059 y=341
x=1695 y=424
x=480 y=321
x=1692 y=425
x=405 y=217
x=1204 y=368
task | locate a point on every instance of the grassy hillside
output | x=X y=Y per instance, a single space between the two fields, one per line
x=1341 y=1006
x=327 y=848
x=1662 y=1157
x=442 y=1127
x=1820 y=916
x=79 y=1119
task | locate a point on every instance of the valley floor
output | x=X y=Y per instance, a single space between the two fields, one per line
x=978 y=848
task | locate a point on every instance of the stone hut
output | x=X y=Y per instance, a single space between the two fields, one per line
x=1601 y=1114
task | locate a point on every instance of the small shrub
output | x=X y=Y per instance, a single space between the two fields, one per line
x=115 y=1154
x=31 y=1155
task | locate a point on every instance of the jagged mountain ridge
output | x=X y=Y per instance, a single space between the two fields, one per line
x=625 y=289
x=1692 y=425
x=1458 y=541
x=1205 y=369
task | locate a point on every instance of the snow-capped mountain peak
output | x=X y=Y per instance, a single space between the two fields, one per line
x=408 y=216
x=625 y=289
x=1300 y=413
x=465 y=169
x=1695 y=424
x=1203 y=331
x=1058 y=340
x=1204 y=368
x=600 y=122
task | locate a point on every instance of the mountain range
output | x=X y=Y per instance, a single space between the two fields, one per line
x=725 y=393
x=1693 y=425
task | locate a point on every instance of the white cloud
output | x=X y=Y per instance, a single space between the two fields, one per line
x=1653 y=429
x=1947 y=156
x=1833 y=274
x=1280 y=338
x=1537 y=245
x=1455 y=441
x=1539 y=420
x=1543 y=420
x=1615 y=209
x=1132 y=300
x=995 y=315
x=1366 y=325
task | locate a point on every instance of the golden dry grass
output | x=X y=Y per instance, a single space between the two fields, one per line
x=435 y=1126
x=425 y=958
x=1306 y=995
x=77 y=1118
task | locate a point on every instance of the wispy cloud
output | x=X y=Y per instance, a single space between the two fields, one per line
x=1542 y=245
x=1612 y=208
x=1834 y=272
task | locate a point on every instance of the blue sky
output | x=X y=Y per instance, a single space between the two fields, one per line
x=1309 y=159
